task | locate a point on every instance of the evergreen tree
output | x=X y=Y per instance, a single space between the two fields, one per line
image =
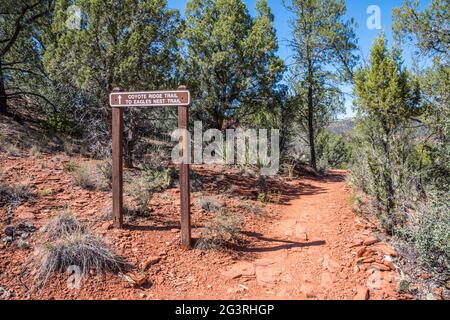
x=20 y=49
x=386 y=101
x=232 y=67
x=131 y=44
x=429 y=28
x=323 y=44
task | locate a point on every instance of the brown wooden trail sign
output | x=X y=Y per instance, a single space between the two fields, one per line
x=120 y=100
x=150 y=99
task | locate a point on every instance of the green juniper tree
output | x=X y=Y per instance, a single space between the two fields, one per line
x=231 y=65
x=386 y=101
x=20 y=49
x=323 y=43
x=131 y=44
x=429 y=30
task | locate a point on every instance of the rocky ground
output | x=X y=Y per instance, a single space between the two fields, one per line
x=308 y=245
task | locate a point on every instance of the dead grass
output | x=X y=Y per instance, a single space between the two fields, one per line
x=70 y=244
x=210 y=205
x=70 y=166
x=224 y=229
x=12 y=196
x=105 y=175
x=64 y=225
x=83 y=177
x=252 y=209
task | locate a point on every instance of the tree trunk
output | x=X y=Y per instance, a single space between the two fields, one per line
x=128 y=149
x=312 y=142
x=128 y=155
x=3 y=100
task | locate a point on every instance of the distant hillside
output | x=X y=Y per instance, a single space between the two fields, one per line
x=343 y=126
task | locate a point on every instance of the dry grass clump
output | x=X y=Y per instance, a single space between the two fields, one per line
x=11 y=195
x=143 y=187
x=210 y=205
x=105 y=175
x=219 y=232
x=252 y=209
x=64 y=225
x=83 y=177
x=70 y=166
x=71 y=244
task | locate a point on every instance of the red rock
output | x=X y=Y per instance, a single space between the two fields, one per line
x=107 y=226
x=386 y=250
x=241 y=269
x=149 y=262
x=381 y=267
x=308 y=291
x=426 y=276
x=360 y=252
x=139 y=279
x=389 y=264
x=370 y=241
x=438 y=293
x=362 y=293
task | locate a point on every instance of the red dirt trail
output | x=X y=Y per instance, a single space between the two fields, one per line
x=309 y=246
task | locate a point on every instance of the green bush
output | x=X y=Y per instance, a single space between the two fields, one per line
x=58 y=123
x=333 y=151
x=431 y=234
x=151 y=180
x=105 y=170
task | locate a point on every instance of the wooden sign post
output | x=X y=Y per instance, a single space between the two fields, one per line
x=119 y=100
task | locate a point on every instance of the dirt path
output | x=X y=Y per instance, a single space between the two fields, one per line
x=314 y=246
x=310 y=246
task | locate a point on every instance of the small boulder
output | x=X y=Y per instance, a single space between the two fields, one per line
x=370 y=241
x=362 y=293
x=150 y=262
x=360 y=252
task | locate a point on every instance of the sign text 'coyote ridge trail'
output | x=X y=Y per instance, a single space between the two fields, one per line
x=150 y=99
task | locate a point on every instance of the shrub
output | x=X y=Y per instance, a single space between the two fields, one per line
x=252 y=209
x=83 y=177
x=105 y=170
x=210 y=205
x=71 y=166
x=141 y=192
x=13 y=196
x=151 y=180
x=64 y=225
x=69 y=243
x=80 y=249
x=431 y=233
x=333 y=151
x=35 y=151
x=223 y=229
x=58 y=123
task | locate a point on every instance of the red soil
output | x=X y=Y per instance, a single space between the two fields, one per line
x=308 y=246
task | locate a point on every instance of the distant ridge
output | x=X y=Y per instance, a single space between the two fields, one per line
x=342 y=126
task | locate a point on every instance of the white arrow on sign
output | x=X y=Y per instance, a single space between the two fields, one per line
x=120 y=99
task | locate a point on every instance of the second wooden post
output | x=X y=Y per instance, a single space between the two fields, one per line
x=117 y=159
x=183 y=121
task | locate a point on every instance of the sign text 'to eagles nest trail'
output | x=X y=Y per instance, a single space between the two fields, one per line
x=150 y=99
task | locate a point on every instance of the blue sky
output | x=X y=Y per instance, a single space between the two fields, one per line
x=356 y=9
